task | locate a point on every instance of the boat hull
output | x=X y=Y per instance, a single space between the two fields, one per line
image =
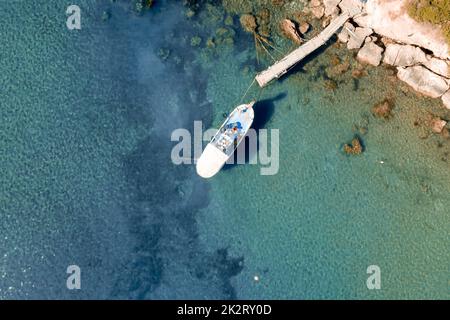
x=211 y=161
x=216 y=154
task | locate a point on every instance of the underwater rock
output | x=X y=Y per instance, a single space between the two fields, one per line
x=423 y=81
x=235 y=6
x=304 y=27
x=106 y=15
x=290 y=31
x=177 y=60
x=210 y=43
x=363 y=130
x=383 y=109
x=229 y=41
x=229 y=21
x=337 y=67
x=163 y=53
x=213 y=12
x=370 y=53
x=330 y=85
x=263 y=20
x=354 y=148
x=264 y=16
x=222 y=32
x=140 y=5
x=195 y=41
x=446 y=99
x=437 y=125
x=335 y=60
x=357 y=37
x=190 y=13
x=359 y=73
x=390 y=71
x=248 y=22
x=224 y=36
x=278 y=3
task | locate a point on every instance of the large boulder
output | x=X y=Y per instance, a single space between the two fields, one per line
x=407 y=55
x=423 y=80
x=357 y=37
x=290 y=31
x=438 y=66
x=403 y=55
x=437 y=125
x=370 y=53
x=352 y=6
x=317 y=9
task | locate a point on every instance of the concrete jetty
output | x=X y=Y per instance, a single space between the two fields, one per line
x=281 y=67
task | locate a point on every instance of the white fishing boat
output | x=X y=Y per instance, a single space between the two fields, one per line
x=226 y=140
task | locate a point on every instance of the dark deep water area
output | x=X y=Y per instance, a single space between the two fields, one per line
x=87 y=179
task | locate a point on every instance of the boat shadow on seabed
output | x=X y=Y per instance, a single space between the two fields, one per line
x=264 y=110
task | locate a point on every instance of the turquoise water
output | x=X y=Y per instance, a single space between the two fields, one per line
x=312 y=230
x=86 y=175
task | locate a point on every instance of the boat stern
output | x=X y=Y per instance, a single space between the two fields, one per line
x=210 y=162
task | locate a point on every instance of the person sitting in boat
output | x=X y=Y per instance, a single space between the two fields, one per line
x=235 y=125
x=234 y=129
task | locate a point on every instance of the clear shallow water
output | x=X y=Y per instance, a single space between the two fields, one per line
x=312 y=230
x=87 y=179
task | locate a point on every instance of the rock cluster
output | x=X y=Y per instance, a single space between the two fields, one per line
x=405 y=43
x=354 y=148
x=438 y=125
x=383 y=109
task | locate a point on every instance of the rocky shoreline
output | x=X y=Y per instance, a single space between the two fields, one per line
x=381 y=33
x=384 y=33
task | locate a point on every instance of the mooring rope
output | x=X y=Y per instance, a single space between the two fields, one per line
x=267 y=51
x=272 y=46
x=248 y=89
